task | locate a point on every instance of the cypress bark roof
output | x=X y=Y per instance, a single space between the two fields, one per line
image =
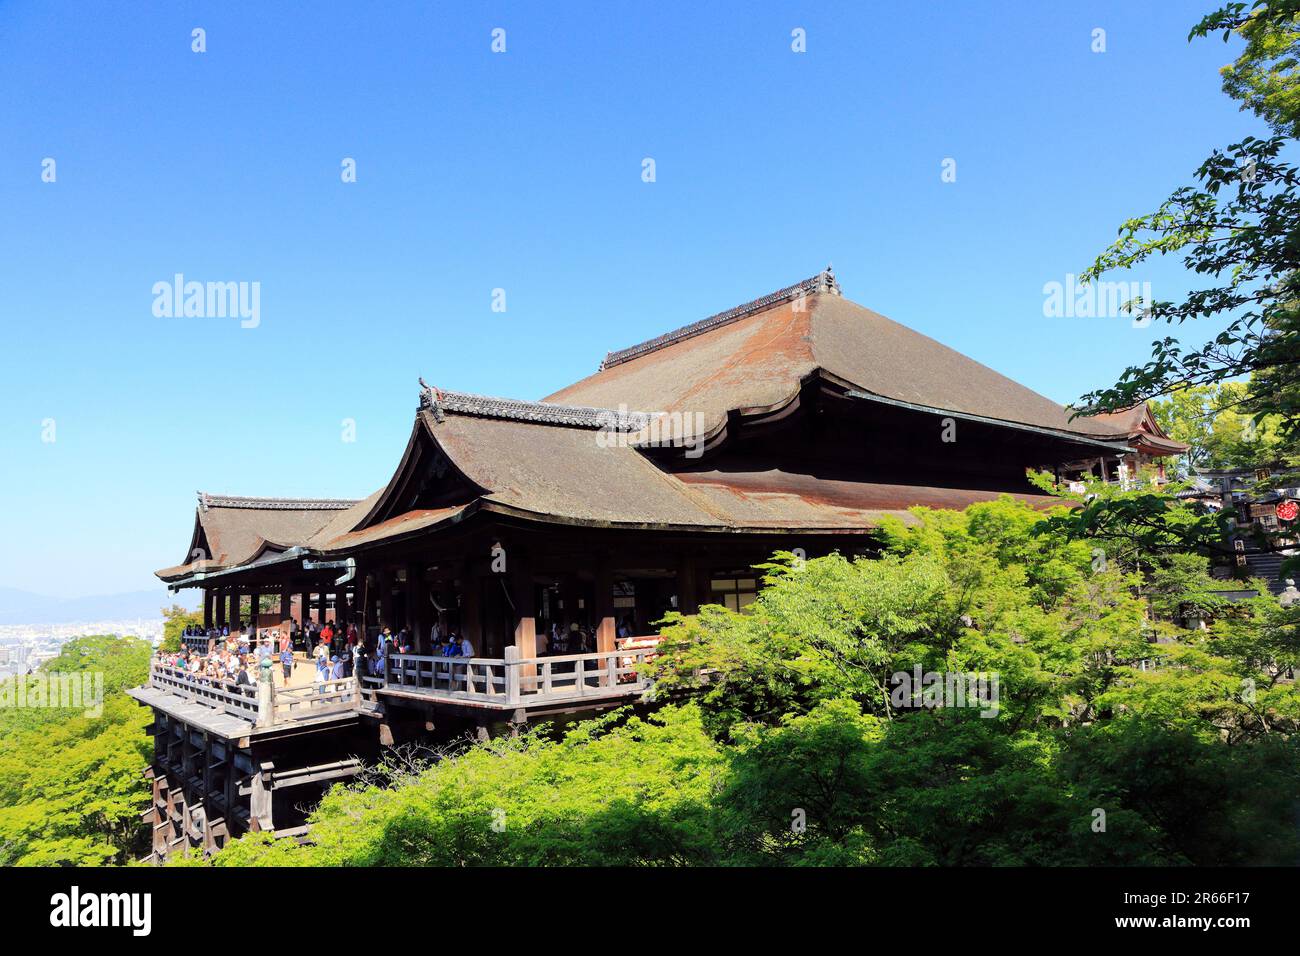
x=758 y=356
x=231 y=529
x=542 y=459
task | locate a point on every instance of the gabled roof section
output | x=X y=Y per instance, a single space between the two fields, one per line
x=563 y=472
x=1139 y=425
x=568 y=475
x=757 y=355
x=233 y=529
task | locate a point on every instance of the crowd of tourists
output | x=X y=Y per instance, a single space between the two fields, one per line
x=232 y=660
x=218 y=655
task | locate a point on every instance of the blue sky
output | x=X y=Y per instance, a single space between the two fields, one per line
x=522 y=171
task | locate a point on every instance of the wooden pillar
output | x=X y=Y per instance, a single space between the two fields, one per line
x=365 y=616
x=519 y=570
x=687 y=598
x=320 y=606
x=417 y=600
x=385 y=599
x=232 y=616
x=567 y=596
x=207 y=609
x=603 y=612
x=286 y=603
x=304 y=607
x=471 y=615
x=259 y=809
x=219 y=599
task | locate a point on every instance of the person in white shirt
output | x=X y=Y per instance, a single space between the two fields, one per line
x=466 y=648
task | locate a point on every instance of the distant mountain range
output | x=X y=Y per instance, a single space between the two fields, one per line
x=24 y=607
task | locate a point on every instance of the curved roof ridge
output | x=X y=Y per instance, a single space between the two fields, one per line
x=439 y=402
x=824 y=281
x=208 y=500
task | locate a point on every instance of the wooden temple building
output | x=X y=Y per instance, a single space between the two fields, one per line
x=795 y=421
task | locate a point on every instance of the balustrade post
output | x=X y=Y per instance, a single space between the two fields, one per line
x=512 y=674
x=265 y=703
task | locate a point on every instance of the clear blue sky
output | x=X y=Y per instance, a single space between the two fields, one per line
x=522 y=171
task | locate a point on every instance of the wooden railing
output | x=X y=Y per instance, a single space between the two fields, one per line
x=263 y=704
x=225 y=696
x=514 y=681
x=317 y=700
x=508 y=681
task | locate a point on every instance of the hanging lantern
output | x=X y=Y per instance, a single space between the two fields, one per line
x=1287 y=511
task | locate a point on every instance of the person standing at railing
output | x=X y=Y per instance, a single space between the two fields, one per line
x=321 y=654
x=286 y=664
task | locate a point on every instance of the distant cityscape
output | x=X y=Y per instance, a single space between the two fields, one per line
x=25 y=647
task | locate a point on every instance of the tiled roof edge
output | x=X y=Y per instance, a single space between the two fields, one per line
x=575 y=416
x=207 y=501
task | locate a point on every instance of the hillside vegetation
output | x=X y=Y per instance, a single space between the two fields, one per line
x=777 y=736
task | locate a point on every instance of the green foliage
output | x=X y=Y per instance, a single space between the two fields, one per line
x=71 y=784
x=1219 y=436
x=1236 y=229
x=175 y=620
x=1264 y=78
x=1135 y=527
x=615 y=791
x=777 y=740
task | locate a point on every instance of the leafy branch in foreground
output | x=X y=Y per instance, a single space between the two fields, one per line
x=1236 y=227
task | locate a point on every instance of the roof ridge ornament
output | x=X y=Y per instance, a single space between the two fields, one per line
x=431 y=399
x=823 y=282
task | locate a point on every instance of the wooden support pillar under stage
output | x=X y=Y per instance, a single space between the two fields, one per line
x=219 y=597
x=286 y=604
x=304 y=608
x=207 y=609
x=232 y=616
x=254 y=608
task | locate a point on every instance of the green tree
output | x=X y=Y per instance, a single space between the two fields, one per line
x=175 y=620
x=1237 y=229
x=778 y=736
x=71 y=782
x=1218 y=435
